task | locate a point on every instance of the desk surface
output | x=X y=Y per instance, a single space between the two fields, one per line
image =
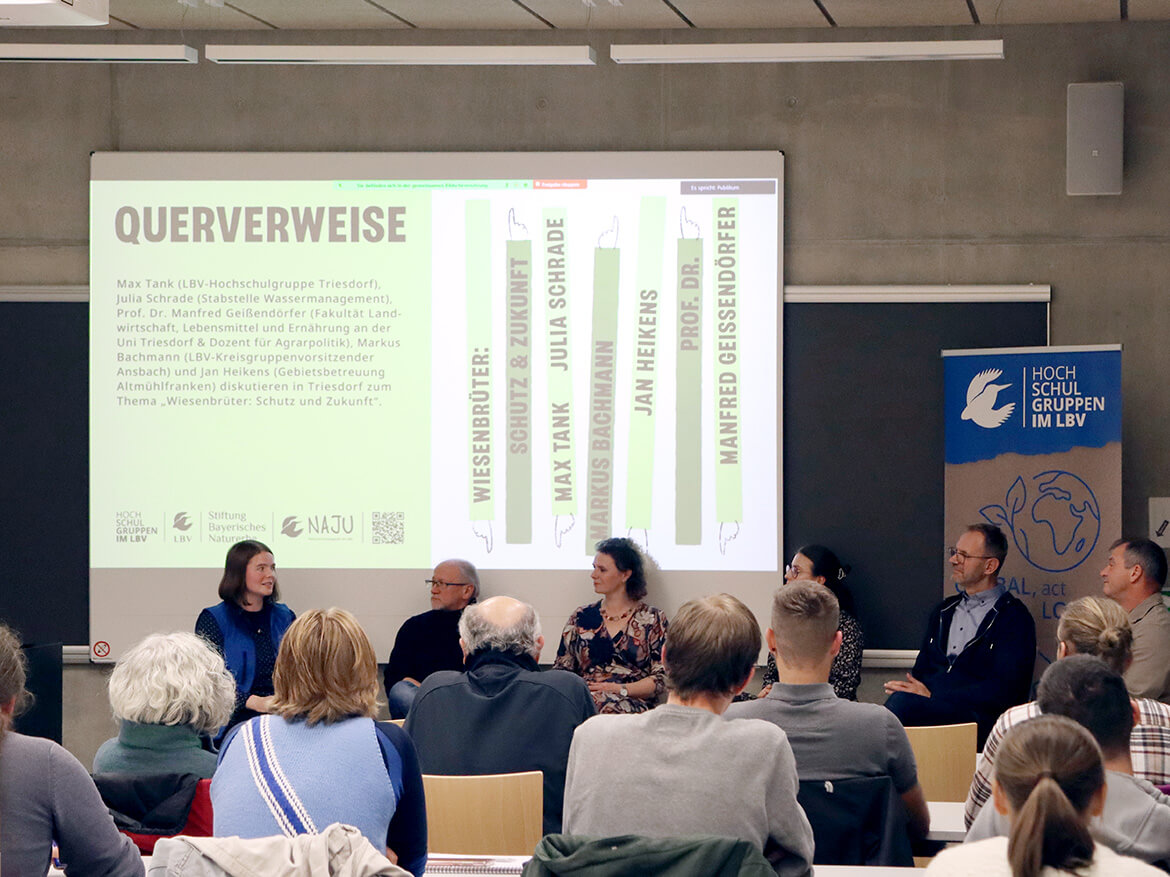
x=946 y=821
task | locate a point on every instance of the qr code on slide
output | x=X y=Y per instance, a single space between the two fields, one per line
x=389 y=528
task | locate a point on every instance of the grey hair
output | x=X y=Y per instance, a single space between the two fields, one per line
x=173 y=679
x=479 y=634
x=468 y=571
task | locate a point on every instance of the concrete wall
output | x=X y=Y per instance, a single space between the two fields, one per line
x=915 y=172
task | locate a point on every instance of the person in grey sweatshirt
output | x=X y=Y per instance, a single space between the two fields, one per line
x=680 y=769
x=1136 y=818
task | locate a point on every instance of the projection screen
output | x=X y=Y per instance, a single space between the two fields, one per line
x=372 y=362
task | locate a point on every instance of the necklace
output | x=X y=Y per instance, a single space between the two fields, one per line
x=613 y=618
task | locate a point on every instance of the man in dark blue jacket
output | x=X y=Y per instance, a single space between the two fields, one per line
x=979 y=649
x=503 y=714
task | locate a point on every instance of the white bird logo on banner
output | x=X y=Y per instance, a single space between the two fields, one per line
x=981 y=395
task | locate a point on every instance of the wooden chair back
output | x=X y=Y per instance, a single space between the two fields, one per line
x=946 y=759
x=497 y=814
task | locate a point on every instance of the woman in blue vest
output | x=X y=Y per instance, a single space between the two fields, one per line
x=247 y=627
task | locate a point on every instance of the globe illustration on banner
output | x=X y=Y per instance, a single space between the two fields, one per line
x=1053 y=518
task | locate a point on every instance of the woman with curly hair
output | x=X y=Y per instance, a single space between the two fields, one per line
x=615 y=644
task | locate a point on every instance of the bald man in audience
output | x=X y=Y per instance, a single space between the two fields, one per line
x=504 y=715
x=430 y=641
x=1134 y=576
x=831 y=738
x=680 y=769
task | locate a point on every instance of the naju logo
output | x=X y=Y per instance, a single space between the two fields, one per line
x=981 y=394
x=291 y=527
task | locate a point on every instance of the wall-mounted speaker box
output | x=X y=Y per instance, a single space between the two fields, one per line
x=1095 y=111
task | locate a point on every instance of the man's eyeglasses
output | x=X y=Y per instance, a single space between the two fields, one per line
x=963 y=556
x=435 y=583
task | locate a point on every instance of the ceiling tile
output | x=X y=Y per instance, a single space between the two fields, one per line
x=630 y=15
x=173 y=15
x=470 y=14
x=314 y=15
x=752 y=13
x=1149 y=10
x=898 y=13
x=1046 y=11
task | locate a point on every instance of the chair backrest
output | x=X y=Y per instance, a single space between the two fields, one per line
x=496 y=814
x=151 y=806
x=946 y=759
x=858 y=821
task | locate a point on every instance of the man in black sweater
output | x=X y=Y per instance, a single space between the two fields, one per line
x=430 y=641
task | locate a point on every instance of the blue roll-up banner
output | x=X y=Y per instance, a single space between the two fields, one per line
x=1033 y=445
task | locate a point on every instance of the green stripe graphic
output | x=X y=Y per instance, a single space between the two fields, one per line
x=688 y=440
x=558 y=335
x=518 y=465
x=479 y=354
x=728 y=444
x=602 y=382
x=643 y=405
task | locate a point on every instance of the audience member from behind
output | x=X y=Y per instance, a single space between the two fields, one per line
x=320 y=757
x=1088 y=626
x=1136 y=817
x=831 y=738
x=247 y=626
x=503 y=715
x=681 y=769
x=47 y=797
x=1134 y=576
x=817 y=563
x=615 y=644
x=166 y=692
x=1049 y=785
x=429 y=642
x=979 y=648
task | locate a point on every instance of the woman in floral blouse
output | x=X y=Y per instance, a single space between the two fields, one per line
x=615 y=644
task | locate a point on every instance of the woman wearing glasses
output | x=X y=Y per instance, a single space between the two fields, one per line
x=816 y=563
x=430 y=641
x=247 y=626
x=615 y=644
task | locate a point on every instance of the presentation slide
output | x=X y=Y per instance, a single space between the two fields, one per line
x=373 y=362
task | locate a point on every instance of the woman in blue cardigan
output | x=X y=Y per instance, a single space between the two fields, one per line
x=248 y=625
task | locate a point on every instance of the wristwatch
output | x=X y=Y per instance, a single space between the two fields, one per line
x=624 y=692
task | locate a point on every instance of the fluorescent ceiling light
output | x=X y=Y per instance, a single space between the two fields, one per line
x=98 y=53
x=764 y=53
x=452 y=55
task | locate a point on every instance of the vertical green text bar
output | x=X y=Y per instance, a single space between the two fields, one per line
x=602 y=382
x=478 y=262
x=728 y=443
x=644 y=403
x=688 y=471
x=518 y=266
x=558 y=335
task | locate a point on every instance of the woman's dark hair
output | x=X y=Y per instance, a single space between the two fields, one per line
x=1049 y=768
x=231 y=586
x=627 y=558
x=826 y=563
